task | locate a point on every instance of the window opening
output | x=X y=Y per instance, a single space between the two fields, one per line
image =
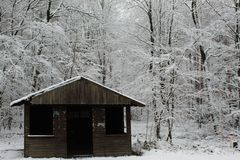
x=41 y=120
x=115 y=120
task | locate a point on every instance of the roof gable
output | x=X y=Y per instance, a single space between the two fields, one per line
x=78 y=90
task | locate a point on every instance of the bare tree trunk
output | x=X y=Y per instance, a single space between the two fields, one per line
x=157 y=115
x=12 y=16
x=103 y=56
x=35 y=80
x=171 y=99
x=237 y=46
x=150 y=18
x=49 y=16
x=104 y=69
x=200 y=60
x=73 y=61
x=0 y=19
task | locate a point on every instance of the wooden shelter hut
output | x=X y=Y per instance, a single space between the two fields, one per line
x=77 y=117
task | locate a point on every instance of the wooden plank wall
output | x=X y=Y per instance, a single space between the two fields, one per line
x=47 y=146
x=109 y=145
x=82 y=92
x=103 y=145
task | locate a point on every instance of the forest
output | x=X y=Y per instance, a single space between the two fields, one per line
x=180 y=57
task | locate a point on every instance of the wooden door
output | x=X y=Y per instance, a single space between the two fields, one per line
x=79 y=131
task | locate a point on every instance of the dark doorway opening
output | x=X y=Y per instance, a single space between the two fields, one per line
x=79 y=131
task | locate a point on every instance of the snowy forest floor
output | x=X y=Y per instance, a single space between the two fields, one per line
x=186 y=146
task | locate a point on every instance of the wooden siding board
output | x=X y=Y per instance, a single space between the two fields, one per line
x=26 y=127
x=82 y=92
x=103 y=145
x=108 y=145
x=47 y=146
x=81 y=98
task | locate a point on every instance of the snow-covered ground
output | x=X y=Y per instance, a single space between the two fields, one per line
x=150 y=155
x=190 y=148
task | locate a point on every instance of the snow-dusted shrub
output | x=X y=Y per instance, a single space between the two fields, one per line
x=137 y=148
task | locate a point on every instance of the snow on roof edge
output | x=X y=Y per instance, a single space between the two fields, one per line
x=50 y=88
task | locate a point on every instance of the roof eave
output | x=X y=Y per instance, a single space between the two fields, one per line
x=137 y=104
x=19 y=103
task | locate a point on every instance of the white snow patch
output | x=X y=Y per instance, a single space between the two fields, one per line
x=101 y=125
x=150 y=155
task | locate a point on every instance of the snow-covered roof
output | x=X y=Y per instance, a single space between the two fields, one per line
x=50 y=88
